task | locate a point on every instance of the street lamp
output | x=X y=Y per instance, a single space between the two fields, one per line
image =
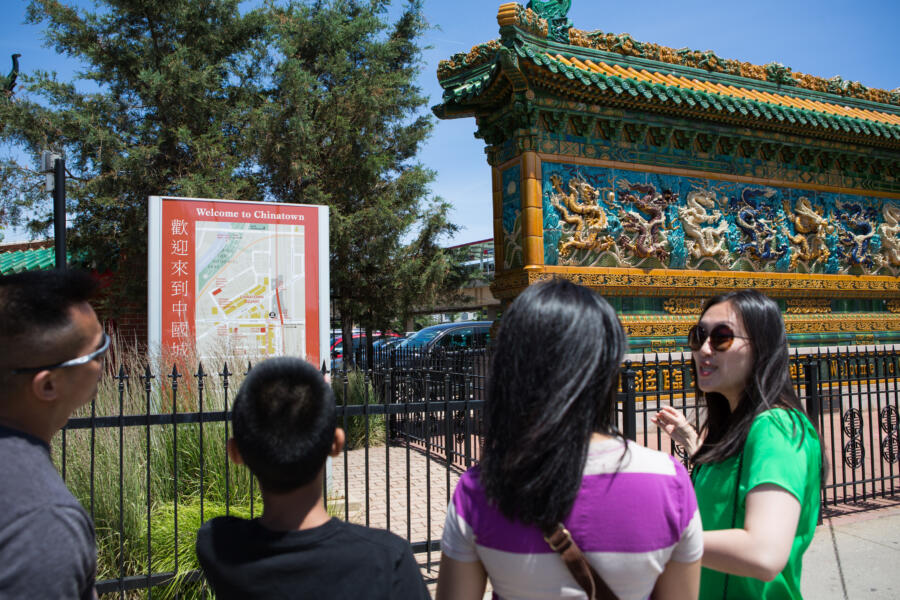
x=54 y=168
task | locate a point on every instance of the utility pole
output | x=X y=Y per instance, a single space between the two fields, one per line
x=54 y=168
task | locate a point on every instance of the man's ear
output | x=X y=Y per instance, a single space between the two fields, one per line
x=44 y=386
x=338 y=444
x=234 y=453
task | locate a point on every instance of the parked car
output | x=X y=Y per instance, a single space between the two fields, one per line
x=466 y=335
x=437 y=360
x=445 y=346
x=359 y=341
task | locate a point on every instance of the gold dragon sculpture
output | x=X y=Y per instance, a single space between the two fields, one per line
x=811 y=227
x=580 y=207
x=699 y=210
x=890 y=236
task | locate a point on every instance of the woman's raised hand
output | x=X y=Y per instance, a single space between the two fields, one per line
x=674 y=423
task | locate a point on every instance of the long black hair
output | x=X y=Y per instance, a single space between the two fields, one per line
x=552 y=384
x=768 y=386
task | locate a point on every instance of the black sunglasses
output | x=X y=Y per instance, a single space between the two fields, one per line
x=720 y=337
x=81 y=360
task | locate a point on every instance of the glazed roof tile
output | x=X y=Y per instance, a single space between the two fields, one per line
x=665 y=87
x=27 y=260
x=660 y=82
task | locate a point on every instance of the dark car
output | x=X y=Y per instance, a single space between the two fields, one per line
x=467 y=335
x=448 y=347
x=440 y=361
x=359 y=342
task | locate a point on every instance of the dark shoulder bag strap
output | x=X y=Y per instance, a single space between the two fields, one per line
x=588 y=578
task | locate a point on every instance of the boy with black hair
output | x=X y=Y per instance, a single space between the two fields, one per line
x=51 y=357
x=284 y=430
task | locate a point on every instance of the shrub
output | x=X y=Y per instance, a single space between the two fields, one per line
x=355 y=389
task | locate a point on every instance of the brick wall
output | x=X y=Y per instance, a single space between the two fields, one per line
x=131 y=327
x=128 y=321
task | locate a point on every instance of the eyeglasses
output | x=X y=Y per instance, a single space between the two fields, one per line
x=81 y=360
x=720 y=337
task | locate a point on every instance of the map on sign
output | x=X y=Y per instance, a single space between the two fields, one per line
x=250 y=294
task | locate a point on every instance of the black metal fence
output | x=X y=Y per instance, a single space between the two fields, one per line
x=147 y=457
x=851 y=395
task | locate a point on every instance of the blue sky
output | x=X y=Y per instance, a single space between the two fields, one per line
x=856 y=40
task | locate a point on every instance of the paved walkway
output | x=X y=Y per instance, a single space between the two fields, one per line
x=855 y=552
x=855 y=555
x=412 y=501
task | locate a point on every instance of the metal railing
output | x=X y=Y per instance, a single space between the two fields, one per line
x=851 y=395
x=147 y=457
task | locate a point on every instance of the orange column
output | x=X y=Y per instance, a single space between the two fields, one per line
x=532 y=212
x=497 y=189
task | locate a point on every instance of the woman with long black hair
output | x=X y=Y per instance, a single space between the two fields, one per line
x=555 y=468
x=757 y=458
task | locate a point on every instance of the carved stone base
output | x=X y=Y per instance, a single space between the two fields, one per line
x=684 y=306
x=808 y=306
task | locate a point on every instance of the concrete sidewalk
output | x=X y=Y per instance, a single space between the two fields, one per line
x=855 y=555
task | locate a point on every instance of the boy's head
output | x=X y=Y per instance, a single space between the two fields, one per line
x=284 y=423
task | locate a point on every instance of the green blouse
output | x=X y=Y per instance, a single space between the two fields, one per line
x=782 y=448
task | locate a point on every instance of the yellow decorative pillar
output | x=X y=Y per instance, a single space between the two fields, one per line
x=532 y=212
x=497 y=189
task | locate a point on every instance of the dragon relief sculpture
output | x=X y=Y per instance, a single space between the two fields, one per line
x=554 y=11
x=651 y=240
x=810 y=227
x=580 y=207
x=703 y=241
x=856 y=233
x=754 y=219
x=890 y=236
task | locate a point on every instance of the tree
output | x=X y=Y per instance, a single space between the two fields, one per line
x=305 y=101
x=342 y=125
x=174 y=84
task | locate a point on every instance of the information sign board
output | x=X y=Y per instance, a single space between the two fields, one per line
x=238 y=278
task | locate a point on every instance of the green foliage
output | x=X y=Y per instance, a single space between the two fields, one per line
x=123 y=459
x=356 y=390
x=343 y=128
x=294 y=101
x=165 y=546
x=172 y=85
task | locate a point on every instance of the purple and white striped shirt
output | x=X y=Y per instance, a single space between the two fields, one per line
x=629 y=518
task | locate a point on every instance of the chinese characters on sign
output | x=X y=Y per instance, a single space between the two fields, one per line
x=232 y=278
x=179 y=335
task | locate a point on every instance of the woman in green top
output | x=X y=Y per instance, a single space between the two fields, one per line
x=757 y=458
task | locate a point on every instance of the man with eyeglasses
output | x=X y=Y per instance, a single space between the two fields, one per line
x=51 y=353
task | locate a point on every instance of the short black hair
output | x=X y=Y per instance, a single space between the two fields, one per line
x=284 y=422
x=34 y=306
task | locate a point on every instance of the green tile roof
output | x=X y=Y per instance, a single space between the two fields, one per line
x=27 y=260
x=463 y=90
x=660 y=94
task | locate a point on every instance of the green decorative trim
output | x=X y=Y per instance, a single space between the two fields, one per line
x=533 y=23
x=660 y=94
x=462 y=61
x=554 y=12
x=779 y=74
x=561 y=128
x=27 y=260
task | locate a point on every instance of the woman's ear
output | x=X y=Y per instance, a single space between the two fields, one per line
x=234 y=453
x=338 y=444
